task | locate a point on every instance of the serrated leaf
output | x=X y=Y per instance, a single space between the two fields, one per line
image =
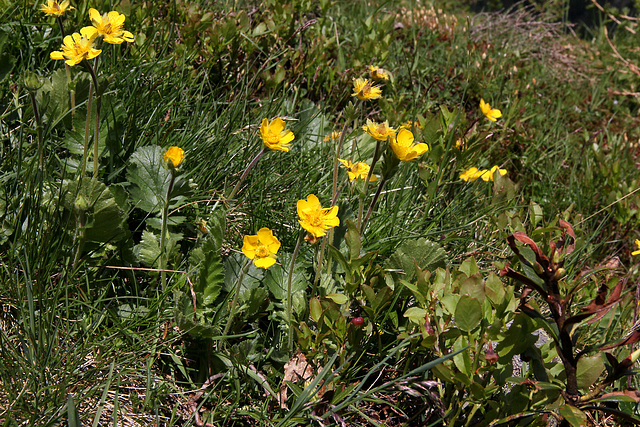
x=148 y=250
x=150 y=178
x=426 y=254
x=210 y=272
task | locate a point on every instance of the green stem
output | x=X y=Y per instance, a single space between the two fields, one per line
x=376 y=156
x=96 y=134
x=320 y=260
x=85 y=152
x=235 y=297
x=163 y=232
x=293 y=260
x=373 y=202
x=36 y=114
x=246 y=172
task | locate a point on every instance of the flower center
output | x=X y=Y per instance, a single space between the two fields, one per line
x=274 y=139
x=316 y=220
x=262 y=251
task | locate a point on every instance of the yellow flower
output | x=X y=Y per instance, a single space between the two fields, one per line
x=110 y=25
x=335 y=135
x=460 y=144
x=378 y=73
x=364 y=89
x=357 y=170
x=77 y=47
x=274 y=135
x=472 y=174
x=379 y=131
x=402 y=146
x=174 y=156
x=314 y=218
x=636 y=252
x=53 y=8
x=502 y=172
x=261 y=248
x=411 y=124
x=492 y=114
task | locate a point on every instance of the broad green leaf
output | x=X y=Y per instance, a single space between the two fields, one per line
x=573 y=415
x=494 y=289
x=338 y=298
x=416 y=314
x=469 y=267
x=589 y=370
x=277 y=278
x=150 y=178
x=468 y=313
x=103 y=217
x=315 y=309
x=474 y=287
x=426 y=254
x=352 y=238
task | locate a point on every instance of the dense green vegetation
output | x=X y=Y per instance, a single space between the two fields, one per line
x=501 y=295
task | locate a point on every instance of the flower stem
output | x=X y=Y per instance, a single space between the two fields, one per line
x=246 y=172
x=376 y=156
x=373 y=202
x=293 y=260
x=163 y=232
x=235 y=297
x=96 y=135
x=85 y=152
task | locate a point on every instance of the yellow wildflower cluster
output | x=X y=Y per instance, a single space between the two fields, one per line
x=334 y=136
x=474 y=173
x=637 y=251
x=80 y=46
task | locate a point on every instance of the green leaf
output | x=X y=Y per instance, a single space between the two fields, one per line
x=573 y=415
x=277 y=278
x=469 y=267
x=338 y=298
x=494 y=289
x=150 y=178
x=474 y=287
x=468 y=313
x=589 y=370
x=425 y=254
x=210 y=272
x=352 y=238
x=103 y=217
x=73 y=418
x=148 y=250
x=315 y=309
x=416 y=314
